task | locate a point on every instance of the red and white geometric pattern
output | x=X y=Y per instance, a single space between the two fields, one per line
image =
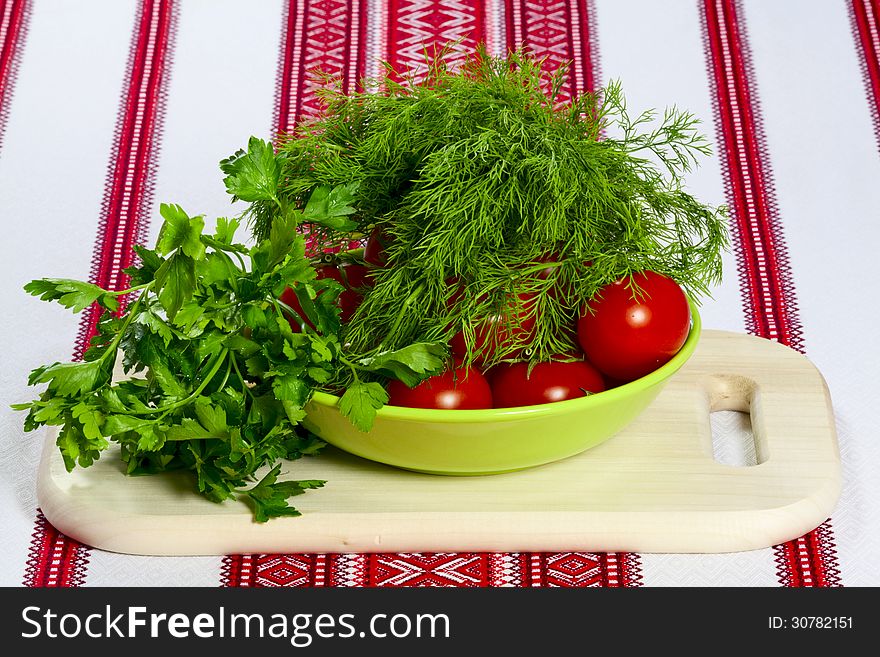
x=565 y=569
x=581 y=569
x=433 y=569
x=766 y=283
x=505 y=570
x=415 y=26
x=495 y=27
x=348 y=38
x=55 y=561
x=563 y=31
x=349 y=570
x=123 y=222
x=809 y=561
x=276 y=570
x=14 y=19
x=324 y=36
x=865 y=24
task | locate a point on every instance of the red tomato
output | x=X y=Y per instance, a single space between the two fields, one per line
x=461 y=388
x=357 y=276
x=357 y=279
x=348 y=301
x=374 y=249
x=512 y=385
x=329 y=271
x=627 y=337
x=494 y=335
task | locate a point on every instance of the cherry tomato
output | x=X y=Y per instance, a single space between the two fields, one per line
x=374 y=249
x=357 y=277
x=494 y=334
x=348 y=301
x=627 y=337
x=513 y=385
x=459 y=388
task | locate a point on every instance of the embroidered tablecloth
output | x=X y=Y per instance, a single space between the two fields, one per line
x=109 y=107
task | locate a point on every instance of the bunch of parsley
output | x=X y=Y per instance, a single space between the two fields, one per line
x=202 y=371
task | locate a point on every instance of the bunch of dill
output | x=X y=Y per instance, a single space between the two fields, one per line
x=480 y=176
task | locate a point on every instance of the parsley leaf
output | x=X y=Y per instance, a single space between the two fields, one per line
x=146 y=271
x=180 y=232
x=410 y=364
x=217 y=379
x=269 y=497
x=331 y=206
x=225 y=230
x=252 y=175
x=76 y=295
x=176 y=281
x=361 y=401
x=68 y=379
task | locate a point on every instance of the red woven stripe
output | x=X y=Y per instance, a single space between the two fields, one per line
x=238 y=571
x=327 y=36
x=129 y=176
x=809 y=561
x=621 y=569
x=768 y=292
x=865 y=20
x=14 y=21
x=540 y=26
x=415 y=26
x=56 y=560
x=285 y=69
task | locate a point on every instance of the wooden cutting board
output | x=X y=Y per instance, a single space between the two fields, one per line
x=654 y=487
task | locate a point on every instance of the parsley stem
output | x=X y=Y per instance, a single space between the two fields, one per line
x=228 y=370
x=215 y=367
x=240 y=261
x=119 y=293
x=244 y=384
x=350 y=365
x=302 y=322
x=129 y=316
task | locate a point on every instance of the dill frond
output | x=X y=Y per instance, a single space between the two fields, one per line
x=479 y=172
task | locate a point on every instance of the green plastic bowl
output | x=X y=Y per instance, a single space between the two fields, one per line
x=494 y=440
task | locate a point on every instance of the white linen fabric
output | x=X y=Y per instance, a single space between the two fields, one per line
x=62 y=103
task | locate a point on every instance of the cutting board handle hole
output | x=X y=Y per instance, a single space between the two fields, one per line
x=730 y=403
x=733 y=441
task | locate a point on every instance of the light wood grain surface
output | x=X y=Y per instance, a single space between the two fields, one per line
x=654 y=487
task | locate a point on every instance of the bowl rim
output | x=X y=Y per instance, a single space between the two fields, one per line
x=454 y=416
